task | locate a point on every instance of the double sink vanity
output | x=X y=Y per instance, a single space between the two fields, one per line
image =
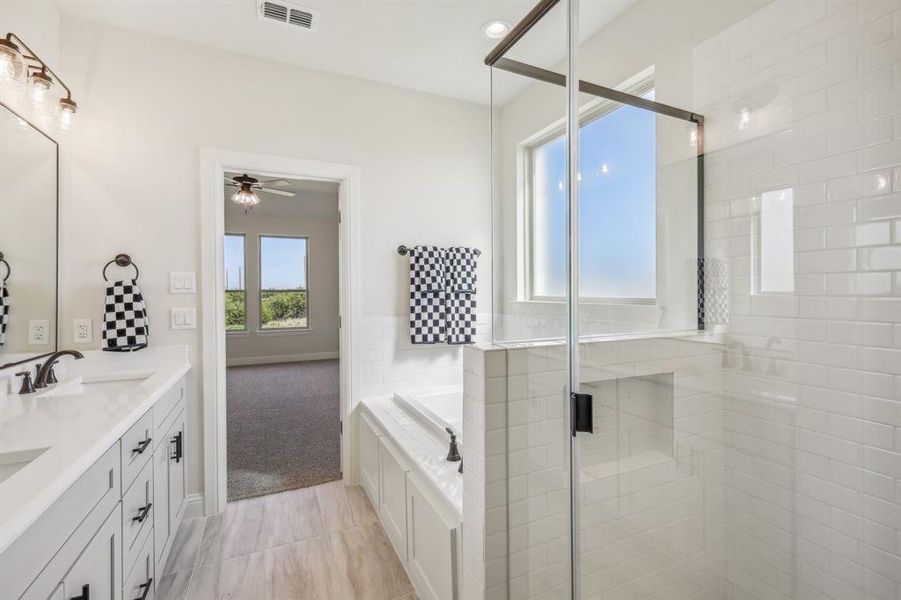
x=92 y=465
x=92 y=476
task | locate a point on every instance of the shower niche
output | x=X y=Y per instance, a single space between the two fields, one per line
x=633 y=425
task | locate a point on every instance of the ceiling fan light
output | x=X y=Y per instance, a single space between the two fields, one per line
x=245 y=197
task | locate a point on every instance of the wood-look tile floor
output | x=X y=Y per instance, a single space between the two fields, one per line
x=318 y=543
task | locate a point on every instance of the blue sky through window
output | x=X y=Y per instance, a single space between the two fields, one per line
x=234 y=262
x=283 y=263
x=617 y=226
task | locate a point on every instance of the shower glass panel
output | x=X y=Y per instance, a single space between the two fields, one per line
x=530 y=187
x=648 y=478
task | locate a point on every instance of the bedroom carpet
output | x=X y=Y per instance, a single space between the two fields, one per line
x=283 y=427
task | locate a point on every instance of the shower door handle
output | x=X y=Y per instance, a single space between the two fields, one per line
x=581 y=416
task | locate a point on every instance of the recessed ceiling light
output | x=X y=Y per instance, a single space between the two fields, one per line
x=496 y=29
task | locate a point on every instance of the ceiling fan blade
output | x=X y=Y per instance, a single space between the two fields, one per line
x=275 y=182
x=277 y=192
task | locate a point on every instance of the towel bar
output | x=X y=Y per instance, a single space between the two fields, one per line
x=404 y=250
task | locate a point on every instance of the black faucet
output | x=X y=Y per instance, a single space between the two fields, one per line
x=45 y=374
x=453 y=454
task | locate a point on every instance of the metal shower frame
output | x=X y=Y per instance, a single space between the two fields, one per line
x=496 y=59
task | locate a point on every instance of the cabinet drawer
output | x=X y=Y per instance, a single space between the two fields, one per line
x=90 y=557
x=41 y=556
x=97 y=574
x=136 y=448
x=140 y=583
x=166 y=408
x=137 y=516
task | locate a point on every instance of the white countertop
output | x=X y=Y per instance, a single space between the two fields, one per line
x=76 y=429
x=421 y=447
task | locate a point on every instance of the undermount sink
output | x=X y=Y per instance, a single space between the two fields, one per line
x=106 y=384
x=16 y=460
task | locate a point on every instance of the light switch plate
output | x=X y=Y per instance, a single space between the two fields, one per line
x=38 y=332
x=182 y=283
x=183 y=318
x=82 y=331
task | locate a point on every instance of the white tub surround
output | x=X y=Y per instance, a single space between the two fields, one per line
x=417 y=493
x=438 y=410
x=93 y=434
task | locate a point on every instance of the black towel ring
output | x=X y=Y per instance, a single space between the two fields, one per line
x=9 y=269
x=121 y=260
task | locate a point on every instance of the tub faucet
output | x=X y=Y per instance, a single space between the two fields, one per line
x=45 y=374
x=453 y=453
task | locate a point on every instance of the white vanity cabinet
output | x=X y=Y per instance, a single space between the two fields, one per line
x=108 y=535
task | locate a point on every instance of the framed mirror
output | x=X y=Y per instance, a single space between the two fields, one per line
x=29 y=200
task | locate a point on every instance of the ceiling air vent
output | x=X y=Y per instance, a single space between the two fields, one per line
x=287 y=14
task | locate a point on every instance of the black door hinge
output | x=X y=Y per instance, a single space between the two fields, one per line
x=581 y=417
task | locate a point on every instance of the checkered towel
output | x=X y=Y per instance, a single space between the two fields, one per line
x=4 y=311
x=427 y=309
x=460 y=289
x=125 y=324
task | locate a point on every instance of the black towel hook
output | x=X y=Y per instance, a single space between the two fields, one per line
x=9 y=269
x=121 y=260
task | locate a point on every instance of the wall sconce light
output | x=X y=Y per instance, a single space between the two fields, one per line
x=20 y=64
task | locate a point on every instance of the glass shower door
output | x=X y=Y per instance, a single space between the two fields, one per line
x=647 y=477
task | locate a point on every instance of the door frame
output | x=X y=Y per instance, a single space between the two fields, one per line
x=213 y=165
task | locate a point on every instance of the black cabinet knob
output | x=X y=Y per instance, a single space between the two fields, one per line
x=142 y=513
x=142 y=446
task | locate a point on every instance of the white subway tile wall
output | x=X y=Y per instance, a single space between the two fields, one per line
x=389 y=361
x=811 y=399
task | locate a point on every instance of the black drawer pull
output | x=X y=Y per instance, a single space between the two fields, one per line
x=142 y=513
x=142 y=446
x=178 y=447
x=146 y=588
x=85 y=593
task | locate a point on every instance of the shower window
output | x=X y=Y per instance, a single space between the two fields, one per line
x=284 y=294
x=235 y=291
x=617 y=223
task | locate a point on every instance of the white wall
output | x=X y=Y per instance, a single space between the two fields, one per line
x=321 y=339
x=149 y=104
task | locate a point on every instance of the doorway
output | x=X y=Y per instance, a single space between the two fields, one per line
x=281 y=290
x=215 y=164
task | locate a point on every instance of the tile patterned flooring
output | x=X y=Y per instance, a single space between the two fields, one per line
x=316 y=543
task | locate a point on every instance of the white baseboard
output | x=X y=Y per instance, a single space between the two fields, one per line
x=194 y=506
x=283 y=358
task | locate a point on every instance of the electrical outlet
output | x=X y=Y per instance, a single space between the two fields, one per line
x=38 y=332
x=83 y=331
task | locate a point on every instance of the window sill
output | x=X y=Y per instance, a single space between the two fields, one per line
x=269 y=332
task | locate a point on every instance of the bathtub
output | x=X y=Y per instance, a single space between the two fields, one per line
x=435 y=409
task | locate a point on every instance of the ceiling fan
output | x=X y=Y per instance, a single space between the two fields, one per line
x=248 y=186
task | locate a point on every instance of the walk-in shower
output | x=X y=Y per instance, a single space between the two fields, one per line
x=695 y=290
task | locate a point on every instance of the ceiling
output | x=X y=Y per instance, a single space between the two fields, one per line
x=312 y=200
x=433 y=46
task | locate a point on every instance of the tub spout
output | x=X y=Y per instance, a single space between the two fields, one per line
x=453 y=453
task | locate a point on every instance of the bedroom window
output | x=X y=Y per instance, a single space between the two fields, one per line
x=235 y=291
x=617 y=224
x=284 y=291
